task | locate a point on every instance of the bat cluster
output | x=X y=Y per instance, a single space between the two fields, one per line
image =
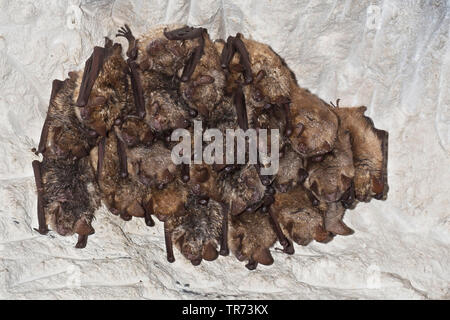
x=106 y=138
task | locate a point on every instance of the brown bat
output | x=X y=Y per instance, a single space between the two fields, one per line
x=268 y=80
x=300 y=220
x=370 y=153
x=104 y=99
x=69 y=197
x=107 y=137
x=63 y=135
x=241 y=189
x=197 y=233
x=330 y=176
x=250 y=237
x=117 y=178
x=291 y=170
x=314 y=124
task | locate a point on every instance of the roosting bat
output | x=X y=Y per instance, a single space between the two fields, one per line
x=108 y=132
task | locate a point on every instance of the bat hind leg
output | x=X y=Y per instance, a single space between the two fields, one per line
x=82 y=241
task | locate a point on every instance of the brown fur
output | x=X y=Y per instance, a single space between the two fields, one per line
x=153 y=166
x=125 y=124
x=136 y=132
x=271 y=85
x=121 y=195
x=157 y=53
x=67 y=138
x=314 y=124
x=299 y=219
x=109 y=95
x=204 y=90
x=70 y=194
x=203 y=181
x=169 y=202
x=197 y=233
x=250 y=236
x=241 y=189
x=330 y=177
x=164 y=113
x=291 y=171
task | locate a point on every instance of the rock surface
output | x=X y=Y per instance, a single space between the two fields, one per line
x=392 y=56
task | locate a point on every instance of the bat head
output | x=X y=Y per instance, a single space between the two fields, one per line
x=331 y=175
x=314 y=124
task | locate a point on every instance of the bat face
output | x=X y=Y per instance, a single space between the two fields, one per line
x=164 y=113
x=153 y=166
x=204 y=182
x=301 y=221
x=314 y=124
x=330 y=176
x=136 y=132
x=250 y=237
x=157 y=53
x=107 y=136
x=242 y=189
x=291 y=172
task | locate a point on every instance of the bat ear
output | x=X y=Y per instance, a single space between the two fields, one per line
x=263 y=256
x=135 y=209
x=83 y=228
x=100 y=128
x=322 y=235
x=362 y=109
x=209 y=252
x=108 y=43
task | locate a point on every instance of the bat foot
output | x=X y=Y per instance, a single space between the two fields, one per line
x=82 y=241
x=251 y=265
x=224 y=252
x=126 y=33
x=149 y=221
x=288 y=247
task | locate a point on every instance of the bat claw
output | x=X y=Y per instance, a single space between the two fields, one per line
x=288 y=247
x=251 y=265
x=126 y=33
